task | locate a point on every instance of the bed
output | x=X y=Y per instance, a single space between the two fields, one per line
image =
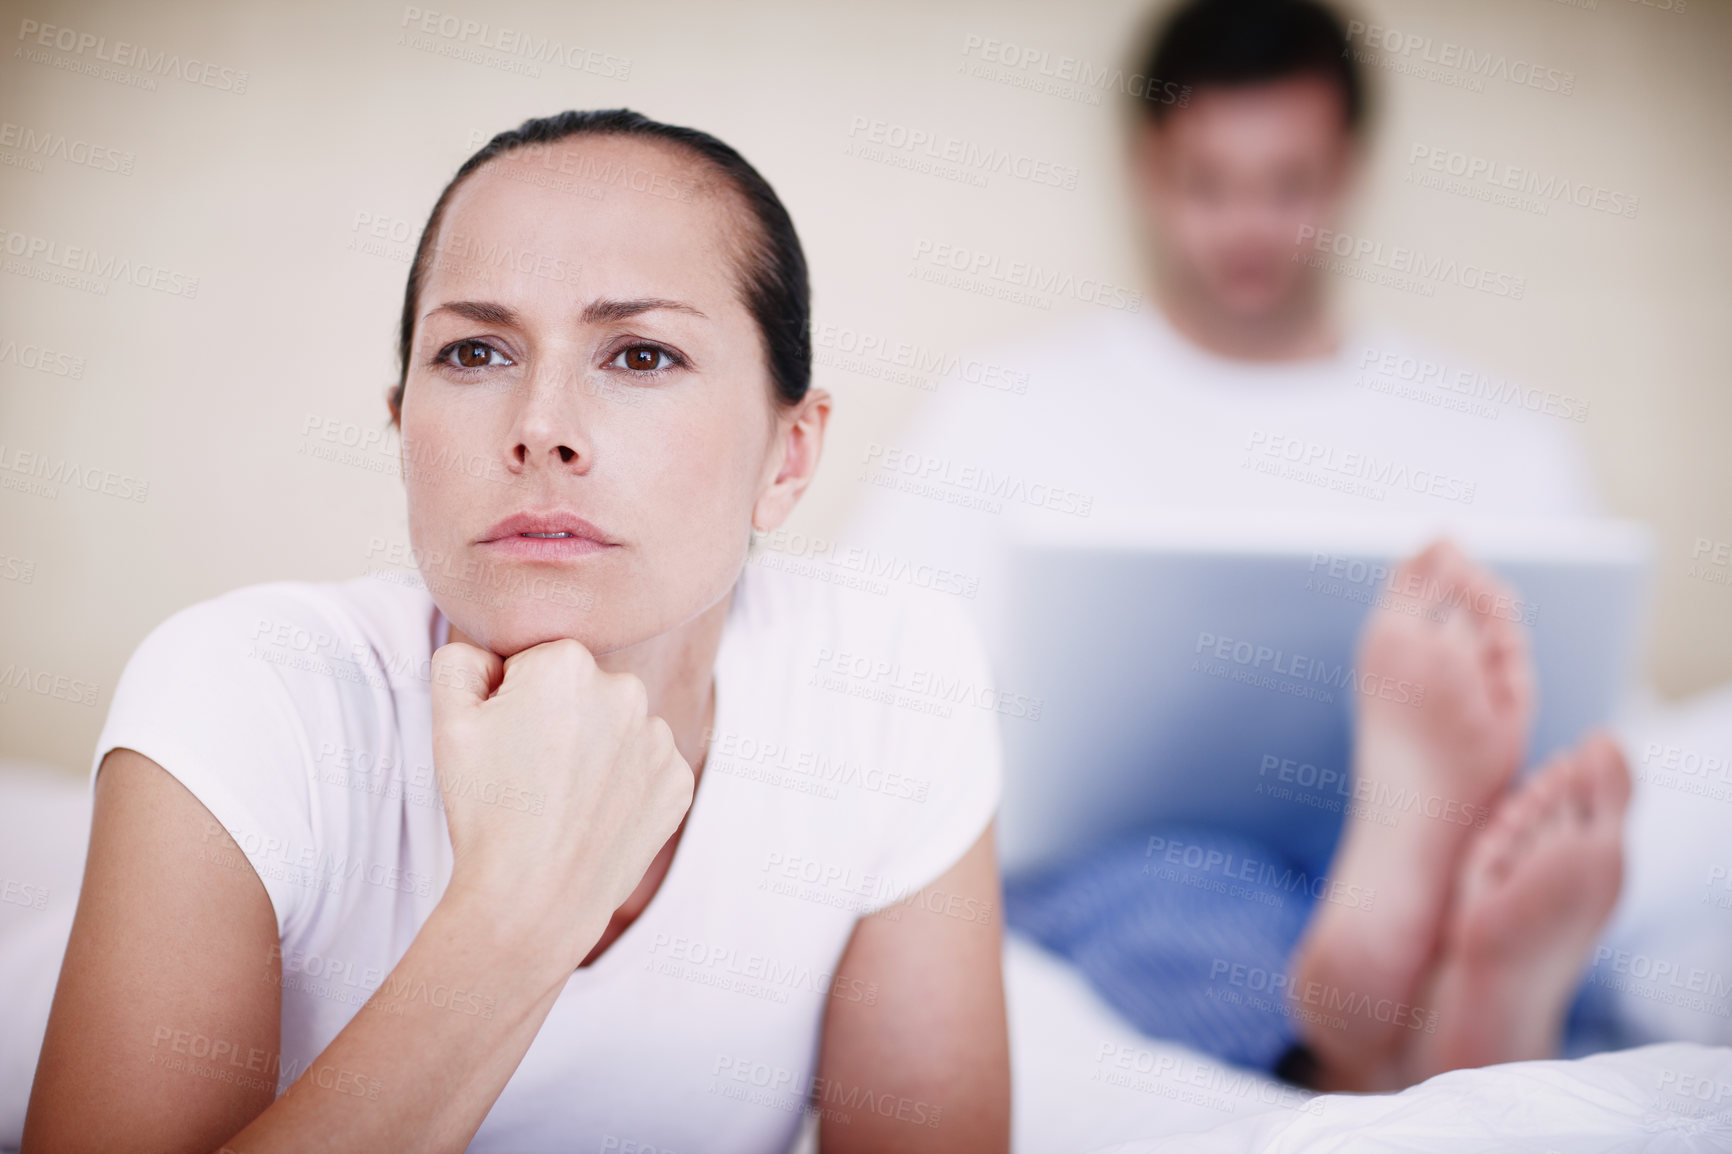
x=1085 y=1080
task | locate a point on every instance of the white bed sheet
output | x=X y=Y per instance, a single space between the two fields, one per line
x=1672 y=1098
x=1086 y=1080
x=44 y=828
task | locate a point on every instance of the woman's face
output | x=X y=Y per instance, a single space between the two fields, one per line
x=589 y=431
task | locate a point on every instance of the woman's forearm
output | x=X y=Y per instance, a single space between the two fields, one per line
x=422 y=1063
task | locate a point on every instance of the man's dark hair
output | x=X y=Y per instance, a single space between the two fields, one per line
x=774 y=283
x=1233 y=43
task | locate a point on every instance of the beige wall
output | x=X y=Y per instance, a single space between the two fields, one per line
x=257 y=194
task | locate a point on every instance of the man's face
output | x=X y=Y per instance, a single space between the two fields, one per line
x=1229 y=181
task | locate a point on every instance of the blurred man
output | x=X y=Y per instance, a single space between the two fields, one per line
x=1240 y=394
x=1237 y=386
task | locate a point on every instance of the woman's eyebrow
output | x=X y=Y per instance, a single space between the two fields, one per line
x=603 y=311
x=481 y=312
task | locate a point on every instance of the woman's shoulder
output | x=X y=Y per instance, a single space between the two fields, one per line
x=297 y=623
x=898 y=677
x=853 y=600
x=287 y=665
x=871 y=725
x=258 y=699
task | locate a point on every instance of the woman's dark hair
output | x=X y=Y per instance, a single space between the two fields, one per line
x=1231 y=43
x=774 y=282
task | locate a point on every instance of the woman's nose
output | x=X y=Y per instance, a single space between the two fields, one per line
x=551 y=428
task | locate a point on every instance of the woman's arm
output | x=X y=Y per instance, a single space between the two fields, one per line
x=925 y=1065
x=164 y=1031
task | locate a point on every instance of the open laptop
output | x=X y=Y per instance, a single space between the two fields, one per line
x=1202 y=671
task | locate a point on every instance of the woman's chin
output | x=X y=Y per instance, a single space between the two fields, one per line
x=511 y=630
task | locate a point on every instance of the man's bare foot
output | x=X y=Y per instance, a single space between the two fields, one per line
x=1535 y=890
x=1443 y=718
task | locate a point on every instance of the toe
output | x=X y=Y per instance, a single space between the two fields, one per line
x=1608 y=770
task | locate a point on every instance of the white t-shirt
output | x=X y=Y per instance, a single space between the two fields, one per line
x=1116 y=420
x=854 y=759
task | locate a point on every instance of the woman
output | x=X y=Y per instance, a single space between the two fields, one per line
x=603 y=841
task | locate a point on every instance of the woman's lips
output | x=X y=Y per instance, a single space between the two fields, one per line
x=533 y=547
x=548 y=536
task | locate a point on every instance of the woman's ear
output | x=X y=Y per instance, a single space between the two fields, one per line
x=793 y=459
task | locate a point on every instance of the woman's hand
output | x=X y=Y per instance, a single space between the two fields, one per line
x=559 y=787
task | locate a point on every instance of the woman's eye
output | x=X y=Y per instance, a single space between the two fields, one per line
x=643 y=359
x=475 y=355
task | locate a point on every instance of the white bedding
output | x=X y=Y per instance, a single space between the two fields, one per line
x=44 y=826
x=1085 y=1080
x=1084 y=1077
x=1673 y=1098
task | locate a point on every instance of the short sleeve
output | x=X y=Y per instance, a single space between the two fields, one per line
x=954 y=749
x=204 y=697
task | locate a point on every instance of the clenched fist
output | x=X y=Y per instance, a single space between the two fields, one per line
x=559 y=786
